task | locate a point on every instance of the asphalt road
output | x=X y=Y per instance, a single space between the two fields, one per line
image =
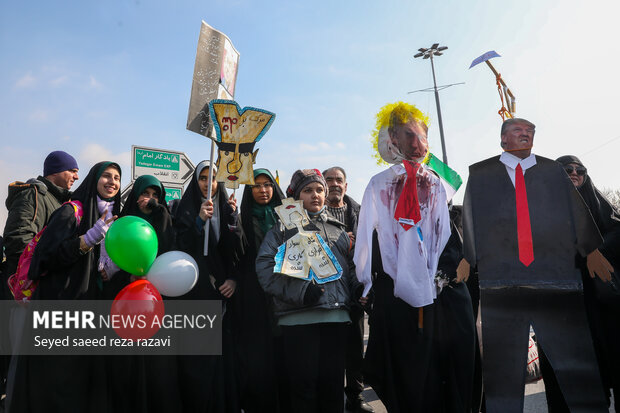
x=534 y=401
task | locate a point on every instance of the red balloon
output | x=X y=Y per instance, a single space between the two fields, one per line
x=137 y=311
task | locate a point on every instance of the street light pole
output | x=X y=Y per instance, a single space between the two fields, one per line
x=435 y=50
x=443 y=142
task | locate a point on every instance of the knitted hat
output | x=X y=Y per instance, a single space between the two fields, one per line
x=58 y=161
x=303 y=177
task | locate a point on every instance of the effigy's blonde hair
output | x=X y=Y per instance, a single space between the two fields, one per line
x=391 y=115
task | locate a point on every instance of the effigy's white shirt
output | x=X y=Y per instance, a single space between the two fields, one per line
x=409 y=257
x=511 y=162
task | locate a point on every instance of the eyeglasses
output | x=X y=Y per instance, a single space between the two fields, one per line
x=581 y=171
x=266 y=185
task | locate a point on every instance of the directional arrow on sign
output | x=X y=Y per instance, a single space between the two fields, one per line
x=170 y=167
x=190 y=170
x=125 y=193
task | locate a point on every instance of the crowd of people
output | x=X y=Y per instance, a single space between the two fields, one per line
x=535 y=243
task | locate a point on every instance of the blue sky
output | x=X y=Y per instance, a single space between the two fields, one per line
x=93 y=78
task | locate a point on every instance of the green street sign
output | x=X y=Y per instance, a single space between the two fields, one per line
x=170 y=167
x=173 y=193
x=157 y=160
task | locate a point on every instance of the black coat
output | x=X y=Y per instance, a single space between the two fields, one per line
x=255 y=340
x=161 y=221
x=66 y=383
x=69 y=274
x=208 y=383
x=222 y=260
x=353 y=213
x=288 y=292
x=560 y=221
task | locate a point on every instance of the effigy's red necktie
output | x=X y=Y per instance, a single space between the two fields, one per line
x=524 y=229
x=407 y=210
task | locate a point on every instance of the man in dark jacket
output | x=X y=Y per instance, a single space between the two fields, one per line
x=31 y=204
x=346 y=210
x=340 y=205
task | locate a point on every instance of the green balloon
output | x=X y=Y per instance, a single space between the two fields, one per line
x=131 y=242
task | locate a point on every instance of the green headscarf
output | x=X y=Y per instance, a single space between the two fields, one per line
x=264 y=214
x=146 y=181
x=102 y=168
x=139 y=186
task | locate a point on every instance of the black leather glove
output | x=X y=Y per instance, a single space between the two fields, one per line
x=313 y=293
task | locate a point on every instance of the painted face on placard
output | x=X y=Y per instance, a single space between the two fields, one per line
x=235 y=167
x=237 y=132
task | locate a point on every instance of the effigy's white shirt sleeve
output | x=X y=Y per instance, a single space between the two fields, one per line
x=366 y=224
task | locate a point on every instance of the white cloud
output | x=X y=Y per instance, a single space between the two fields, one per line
x=39 y=115
x=306 y=147
x=94 y=83
x=323 y=146
x=26 y=81
x=93 y=153
x=60 y=80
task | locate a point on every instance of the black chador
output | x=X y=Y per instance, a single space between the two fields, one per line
x=602 y=299
x=547 y=293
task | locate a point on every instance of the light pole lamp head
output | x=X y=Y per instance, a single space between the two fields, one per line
x=434 y=50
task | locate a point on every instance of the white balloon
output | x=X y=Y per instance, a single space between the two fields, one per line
x=173 y=273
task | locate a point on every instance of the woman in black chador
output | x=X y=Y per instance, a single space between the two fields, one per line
x=602 y=300
x=255 y=341
x=454 y=335
x=72 y=256
x=153 y=379
x=147 y=200
x=208 y=383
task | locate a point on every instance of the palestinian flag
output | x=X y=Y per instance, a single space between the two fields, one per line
x=449 y=178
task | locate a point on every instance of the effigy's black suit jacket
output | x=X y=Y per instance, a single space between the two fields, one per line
x=561 y=226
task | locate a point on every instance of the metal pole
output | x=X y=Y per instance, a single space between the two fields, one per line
x=209 y=195
x=443 y=143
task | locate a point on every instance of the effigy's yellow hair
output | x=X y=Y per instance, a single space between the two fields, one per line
x=401 y=112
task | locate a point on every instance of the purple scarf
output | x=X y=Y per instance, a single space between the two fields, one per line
x=105 y=262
